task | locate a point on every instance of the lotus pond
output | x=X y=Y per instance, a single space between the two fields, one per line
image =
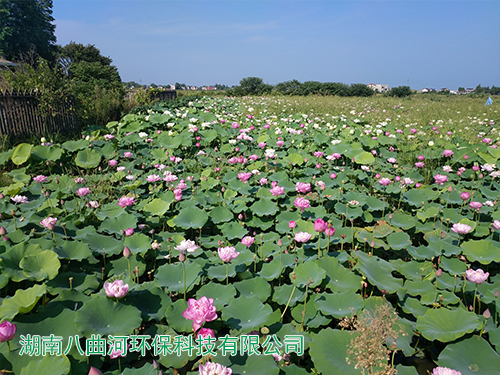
x=185 y=228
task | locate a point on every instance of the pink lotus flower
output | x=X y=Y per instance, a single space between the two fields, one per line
x=333 y=176
x=263 y=181
x=320 y=225
x=248 y=241
x=277 y=191
x=211 y=368
x=40 y=179
x=475 y=205
x=280 y=143
x=19 y=199
x=496 y=224
x=447 y=153
x=129 y=231
x=465 y=195
x=153 y=178
x=127 y=154
x=384 y=181
x=227 y=254
x=244 y=176
x=112 y=162
x=301 y=203
x=187 y=245
x=262 y=145
x=318 y=154
x=302 y=236
x=116 y=289
x=461 y=228
x=205 y=332
x=49 y=223
x=303 y=187
x=440 y=179
x=478 y=276
x=126 y=201
x=419 y=164
x=200 y=311
x=7 y=331
x=83 y=191
x=329 y=231
x=292 y=224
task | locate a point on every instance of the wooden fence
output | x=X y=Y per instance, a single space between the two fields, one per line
x=19 y=115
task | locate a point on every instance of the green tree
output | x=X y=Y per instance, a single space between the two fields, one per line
x=461 y=89
x=360 y=89
x=288 y=87
x=96 y=84
x=26 y=25
x=310 y=88
x=400 y=91
x=335 y=88
x=255 y=86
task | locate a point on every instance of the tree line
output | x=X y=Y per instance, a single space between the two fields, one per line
x=256 y=86
x=56 y=72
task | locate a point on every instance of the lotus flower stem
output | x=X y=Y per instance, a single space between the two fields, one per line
x=129 y=269
x=319 y=245
x=227 y=273
x=289 y=299
x=184 y=277
x=304 y=311
x=474 y=302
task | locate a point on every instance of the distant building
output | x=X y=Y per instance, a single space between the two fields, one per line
x=378 y=87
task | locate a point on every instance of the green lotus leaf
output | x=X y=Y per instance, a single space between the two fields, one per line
x=308 y=272
x=220 y=272
x=171 y=276
x=103 y=316
x=339 y=305
x=118 y=225
x=221 y=294
x=10 y=260
x=221 y=214
x=417 y=197
x=103 y=244
x=328 y=351
x=364 y=158
x=403 y=221
x=447 y=325
x=255 y=287
x=264 y=207
x=482 y=251
x=233 y=230
x=75 y=250
x=157 y=207
x=88 y=158
x=399 y=240
x=191 y=217
x=471 y=356
x=378 y=272
x=175 y=318
x=22 y=302
x=138 y=243
x=147 y=369
x=73 y=281
x=167 y=141
x=246 y=313
x=50 y=364
x=494 y=336
x=21 y=153
x=152 y=301
x=72 y=146
x=53 y=153
x=42 y=266
x=340 y=278
x=110 y=210
x=288 y=294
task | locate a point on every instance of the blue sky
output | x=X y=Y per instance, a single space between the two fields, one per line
x=421 y=43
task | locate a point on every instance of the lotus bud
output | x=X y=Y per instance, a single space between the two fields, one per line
x=3 y=232
x=496 y=293
x=439 y=272
x=155 y=365
x=182 y=256
x=280 y=243
x=94 y=371
x=487 y=314
x=2 y=196
x=126 y=252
